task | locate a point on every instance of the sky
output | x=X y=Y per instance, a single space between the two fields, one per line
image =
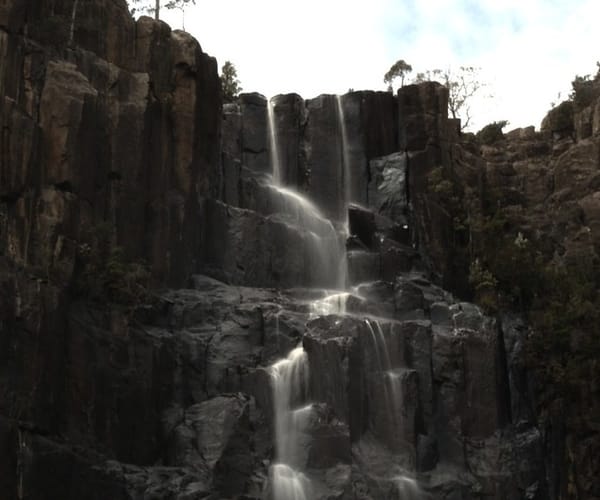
x=527 y=51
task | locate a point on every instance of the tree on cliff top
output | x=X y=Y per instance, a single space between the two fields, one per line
x=153 y=6
x=229 y=82
x=398 y=70
x=462 y=85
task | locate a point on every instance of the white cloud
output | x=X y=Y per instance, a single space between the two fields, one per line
x=528 y=50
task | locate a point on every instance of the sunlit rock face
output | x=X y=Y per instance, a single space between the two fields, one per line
x=309 y=356
x=108 y=122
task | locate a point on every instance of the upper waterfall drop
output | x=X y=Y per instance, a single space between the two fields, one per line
x=273 y=144
x=345 y=156
x=324 y=242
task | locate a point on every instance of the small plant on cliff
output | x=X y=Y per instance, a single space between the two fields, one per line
x=398 y=70
x=560 y=118
x=585 y=89
x=105 y=274
x=566 y=323
x=229 y=82
x=485 y=285
x=153 y=7
x=492 y=132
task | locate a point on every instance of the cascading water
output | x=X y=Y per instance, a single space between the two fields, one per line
x=273 y=145
x=325 y=248
x=330 y=304
x=73 y=16
x=324 y=244
x=391 y=375
x=408 y=488
x=345 y=155
x=289 y=378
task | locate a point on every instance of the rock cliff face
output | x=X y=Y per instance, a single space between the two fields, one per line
x=104 y=121
x=294 y=224
x=546 y=184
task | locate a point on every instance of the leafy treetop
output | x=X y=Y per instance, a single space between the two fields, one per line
x=398 y=70
x=462 y=85
x=229 y=82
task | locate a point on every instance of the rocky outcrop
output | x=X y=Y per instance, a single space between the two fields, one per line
x=544 y=183
x=174 y=387
x=110 y=131
x=106 y=122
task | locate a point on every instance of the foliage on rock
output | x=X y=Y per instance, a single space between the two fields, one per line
x=560 y=118
x=230 y=84
x=398 y=70
x=462 y=86
x=586 y=89
x=105 y=274
x=510 y=268
x=153 y=7
x=492 y=132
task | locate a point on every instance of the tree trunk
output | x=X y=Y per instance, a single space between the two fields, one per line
x=157 y=10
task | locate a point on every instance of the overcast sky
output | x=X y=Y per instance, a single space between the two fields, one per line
x=528 y=50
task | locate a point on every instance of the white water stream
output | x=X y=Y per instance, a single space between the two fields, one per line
x=289 y=378
x=325 y=248
x=324 y=245
x=346 y=170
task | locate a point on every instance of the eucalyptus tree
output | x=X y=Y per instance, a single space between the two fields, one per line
x=462 y=86
x=229 y=82
x=398 y=70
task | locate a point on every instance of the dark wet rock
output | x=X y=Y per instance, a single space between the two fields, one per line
x=388 y=193
x=255 y=149
x=440 y=313
x=290 y=119
x=427 y=454
x=325 y=156
x=408 y=299
x=330 y=439
x=329 y=344
x=242 y=247
x=362 y=225
x=363 y=266
x=397 y=258
x=378 y=295
x=373 y=229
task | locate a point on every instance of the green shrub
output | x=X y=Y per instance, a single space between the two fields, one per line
x=492 y=132
x=585 y=90
x=560 y=118
x=105 y=274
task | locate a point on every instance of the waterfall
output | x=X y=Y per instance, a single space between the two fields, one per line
x=408 y=488
x=73 y=15
x=325 y=246
x=390 y=374
x=346 y=175
x=289 y=378
x=273 y=144
x=330 y=304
